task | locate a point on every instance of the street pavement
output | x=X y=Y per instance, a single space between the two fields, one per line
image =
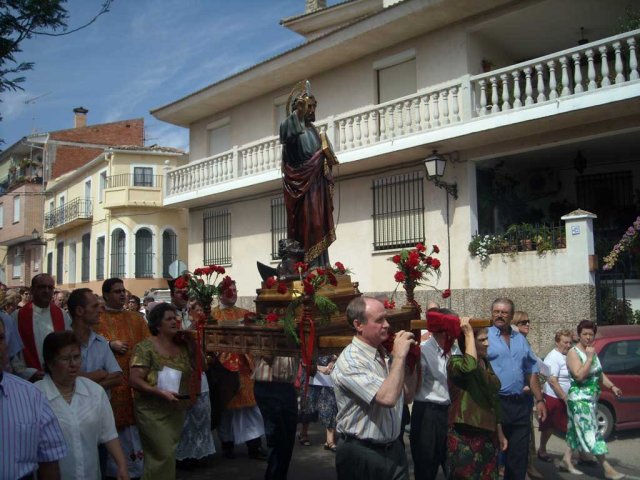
x=316 y=463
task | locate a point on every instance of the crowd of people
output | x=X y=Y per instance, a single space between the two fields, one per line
x=107 y=386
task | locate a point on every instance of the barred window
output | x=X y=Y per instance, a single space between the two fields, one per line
x=59 y=262
x=169 y=251
x=217 y=237
x=278 y=224
x=398 y=211
x=100 y=258
x=118 y=256
x=50 y=263
x=144 y=254
x=86 y=252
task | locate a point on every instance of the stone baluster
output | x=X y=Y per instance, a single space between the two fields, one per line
x=483 y=96
x=406 y=117
x=364 y=127
x=565 y=77
x=398 y=120
x=591 y=70
x=343 y=137
x=517 y=101
x=230 y=172
x=495 y=108
x=436 y=112
x=201 y=175
x=528 y=88
x=444 y=95
x=425 y=118
x=256 y=159
x=617 y=48
x=604 y=67
x=577 y=74
x=415 y=114
x=356 y=131
x=454 y=105
x=373 y=127
x=349 y=129
x=269 y=155
x=504 y=79
x=383 y=123
x=260 y=158
x=633 y=60
x=540 y=84
x=390 y=122
x=553 y=83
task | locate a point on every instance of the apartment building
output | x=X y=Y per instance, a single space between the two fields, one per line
x=533 y=107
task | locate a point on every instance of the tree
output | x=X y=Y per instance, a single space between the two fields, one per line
x=24 y=19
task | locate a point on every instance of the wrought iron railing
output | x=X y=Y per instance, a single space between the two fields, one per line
x=78 y=208
x=134 y=180
x=521 y=237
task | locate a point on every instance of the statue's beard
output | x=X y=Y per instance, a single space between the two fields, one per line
x=310 y=117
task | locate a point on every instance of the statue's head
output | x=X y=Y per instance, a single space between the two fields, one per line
x=290 y=248
x=308 y=104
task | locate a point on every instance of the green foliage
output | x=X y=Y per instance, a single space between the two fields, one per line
x=325 y=306
x=629 y=21
x=615 y=311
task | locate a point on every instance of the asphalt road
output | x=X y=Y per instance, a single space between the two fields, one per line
x=315 y=463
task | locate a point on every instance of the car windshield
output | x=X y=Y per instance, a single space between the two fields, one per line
x=621 y=357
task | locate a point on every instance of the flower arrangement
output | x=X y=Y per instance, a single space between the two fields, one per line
x=200 y=285
x=414 y=266
x=312 y=279
x=628 y=240
x=482 y=246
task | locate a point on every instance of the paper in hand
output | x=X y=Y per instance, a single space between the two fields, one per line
x=169 y=379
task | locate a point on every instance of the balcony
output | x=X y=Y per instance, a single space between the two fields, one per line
x=596 y=74
x=133 y=190
x=76 y=212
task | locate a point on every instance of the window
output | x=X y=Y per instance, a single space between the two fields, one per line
x=143 y=176
x=606 y=195
x=219 y=137
x=278 y=224
x=59 y=262
x=395 y=81
x=118 y=258
x=103 y=185
x=100 y=258
x=169 y=251
x=1 y=216
x=217 y=237
x=86 y=254
x=72 y=262
x=621 y=358
x=50 y=263
x=16 y=209
x=17 y=263
x=398 y=211
x=144 y=254
x=87 y=189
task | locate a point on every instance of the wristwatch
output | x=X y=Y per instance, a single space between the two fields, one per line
x=541 y=400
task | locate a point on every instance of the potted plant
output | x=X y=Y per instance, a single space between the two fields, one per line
x=543 y=239
x=522 y=235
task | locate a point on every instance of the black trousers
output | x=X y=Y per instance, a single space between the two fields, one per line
x=428 y=439
x=516 y=426
x=279 y=409
x=358 y=460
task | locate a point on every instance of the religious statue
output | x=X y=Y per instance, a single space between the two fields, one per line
x=307 y=161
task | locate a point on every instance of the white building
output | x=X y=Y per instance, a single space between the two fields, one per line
x=549 y=127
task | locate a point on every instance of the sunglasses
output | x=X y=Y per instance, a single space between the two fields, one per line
x=524 y=322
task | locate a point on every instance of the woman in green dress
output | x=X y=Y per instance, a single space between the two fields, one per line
x=160 y=409
x=475 y=434
x=582 y=401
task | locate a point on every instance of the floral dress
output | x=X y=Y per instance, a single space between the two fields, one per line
x=582 y=405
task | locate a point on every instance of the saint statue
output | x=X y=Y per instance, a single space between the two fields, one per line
x=307 y=161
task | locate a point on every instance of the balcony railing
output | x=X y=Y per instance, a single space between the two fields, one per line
x=77 y=210
x=134 y=180
x=587 y=68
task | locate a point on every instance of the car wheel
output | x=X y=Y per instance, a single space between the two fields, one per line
x=605 y=420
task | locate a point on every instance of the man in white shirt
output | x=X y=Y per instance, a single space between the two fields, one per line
x=35 y=321
x=429 y=426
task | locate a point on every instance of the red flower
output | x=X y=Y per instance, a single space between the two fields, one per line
x=310 y=277
x=396 y=259
x=436 y=249
x=197 y=271
x=340 y=267
x=435 y=263
x=420 y=247
x=271 y=317
x=301 y=267
x=389 y=305
x=400 y=277
x=321 y=271
x=282 y=287
x=415 y=274
x=308 y=287
x=413 y=260
x=181 y=282
x=446 y=293
x=270 y=282
x=207 y=271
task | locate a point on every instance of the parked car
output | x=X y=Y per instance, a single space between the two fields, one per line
x=618 y=348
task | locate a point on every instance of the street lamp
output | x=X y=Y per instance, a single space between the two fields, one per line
x=435 y=165
x=35 y=236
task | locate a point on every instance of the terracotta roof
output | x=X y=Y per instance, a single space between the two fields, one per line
x=151 y=148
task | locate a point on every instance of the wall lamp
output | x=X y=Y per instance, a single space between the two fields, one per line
x=36 y=239
x=435 y=164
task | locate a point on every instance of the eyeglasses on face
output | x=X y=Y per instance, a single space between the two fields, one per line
x=524 y=322
x=69 y=358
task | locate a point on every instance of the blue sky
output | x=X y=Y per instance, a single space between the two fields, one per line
x=141 y=55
